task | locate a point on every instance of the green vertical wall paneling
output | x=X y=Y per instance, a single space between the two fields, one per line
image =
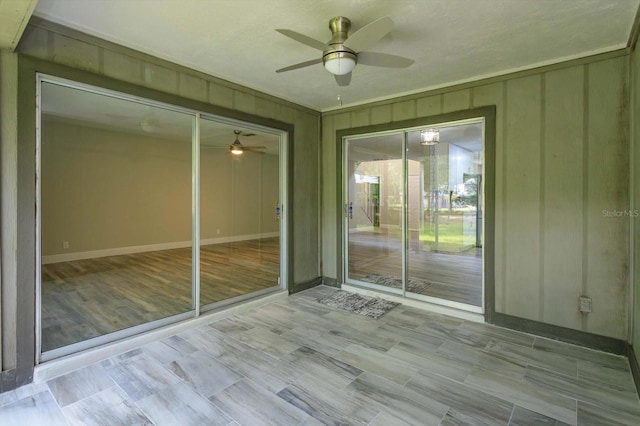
x=403 y=110
x=429 y=105
x=493 y=94
x=635 y=125
x=122 y=67
x=381 y=114
x=456 y=100
x=329 y=224
x=360 y=118
x=159 y=78
x=265 y=108
x=220 y=95
x=9 y=192
x=522 y=190
x=244 y=102
x=75 y=53
x=192 y=87
x=562 y=196
x=608 y=182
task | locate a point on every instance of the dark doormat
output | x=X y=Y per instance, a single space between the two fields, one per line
x=372 y=307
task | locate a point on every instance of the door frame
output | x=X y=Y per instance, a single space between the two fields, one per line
x=488 y=114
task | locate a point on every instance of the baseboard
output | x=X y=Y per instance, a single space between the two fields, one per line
x=295 y=288
x=331 y=282
x=563 y=334
x=635 y=368
x=93 y=254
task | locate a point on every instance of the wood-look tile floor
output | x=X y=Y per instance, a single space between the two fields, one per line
x=453 y=276
x=297 y=362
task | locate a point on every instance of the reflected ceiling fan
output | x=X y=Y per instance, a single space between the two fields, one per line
x=343 y=52
x=236 y=148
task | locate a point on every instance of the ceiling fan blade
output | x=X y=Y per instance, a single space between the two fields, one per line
x=300 y=65
x=301 y=38
x=343 y=80
x=369 y=34
x=383 y=60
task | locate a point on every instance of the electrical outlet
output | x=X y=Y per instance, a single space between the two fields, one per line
x=65 y=244
x=585 y=304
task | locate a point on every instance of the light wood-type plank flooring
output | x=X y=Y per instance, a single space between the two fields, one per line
x=456 y=277
x=89 y=298
x=297 y=362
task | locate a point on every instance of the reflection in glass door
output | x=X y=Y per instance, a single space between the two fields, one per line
x=375 y=197
x=444 y=212
x=239 y=225
x=115 y=214
x=145 y=215
x=414 y=222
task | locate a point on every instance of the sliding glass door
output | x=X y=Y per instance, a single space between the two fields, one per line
x=115 y=214
x=413 y=219
x=375 y=196
x=146 y=217
x=239 y=225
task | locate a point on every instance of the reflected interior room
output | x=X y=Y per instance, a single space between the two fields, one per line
x=117 y=213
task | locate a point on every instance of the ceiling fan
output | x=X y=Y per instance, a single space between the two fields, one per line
x=236 y=148
x=342 y=53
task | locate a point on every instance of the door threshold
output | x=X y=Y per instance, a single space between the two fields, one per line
x=414 y=303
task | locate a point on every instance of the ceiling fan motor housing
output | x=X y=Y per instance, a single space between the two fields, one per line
x=339 y=27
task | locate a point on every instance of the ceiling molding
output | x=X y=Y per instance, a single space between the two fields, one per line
x=14 y=17
x=635 y=31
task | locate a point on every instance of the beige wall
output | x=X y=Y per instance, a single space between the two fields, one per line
x=561 y=159
x=103 y=189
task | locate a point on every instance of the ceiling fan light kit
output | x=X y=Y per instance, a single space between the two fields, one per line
x=430 y=137
x=236 y=147
x=339 y=59
x=340 y=55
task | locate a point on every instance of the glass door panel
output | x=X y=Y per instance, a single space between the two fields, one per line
x=375 y=199
x=115 y=214
x=444 y=219
x=239 y=227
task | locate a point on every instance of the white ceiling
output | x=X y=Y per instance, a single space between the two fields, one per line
x=451 y=41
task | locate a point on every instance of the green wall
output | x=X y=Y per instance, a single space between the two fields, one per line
x=635 y=188
x=562 y=147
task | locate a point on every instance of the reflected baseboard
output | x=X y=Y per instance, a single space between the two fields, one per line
x=118 y=251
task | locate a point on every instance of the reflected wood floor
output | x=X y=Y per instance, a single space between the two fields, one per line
x=89 y=298
x=297 y=362
x=456 y=277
